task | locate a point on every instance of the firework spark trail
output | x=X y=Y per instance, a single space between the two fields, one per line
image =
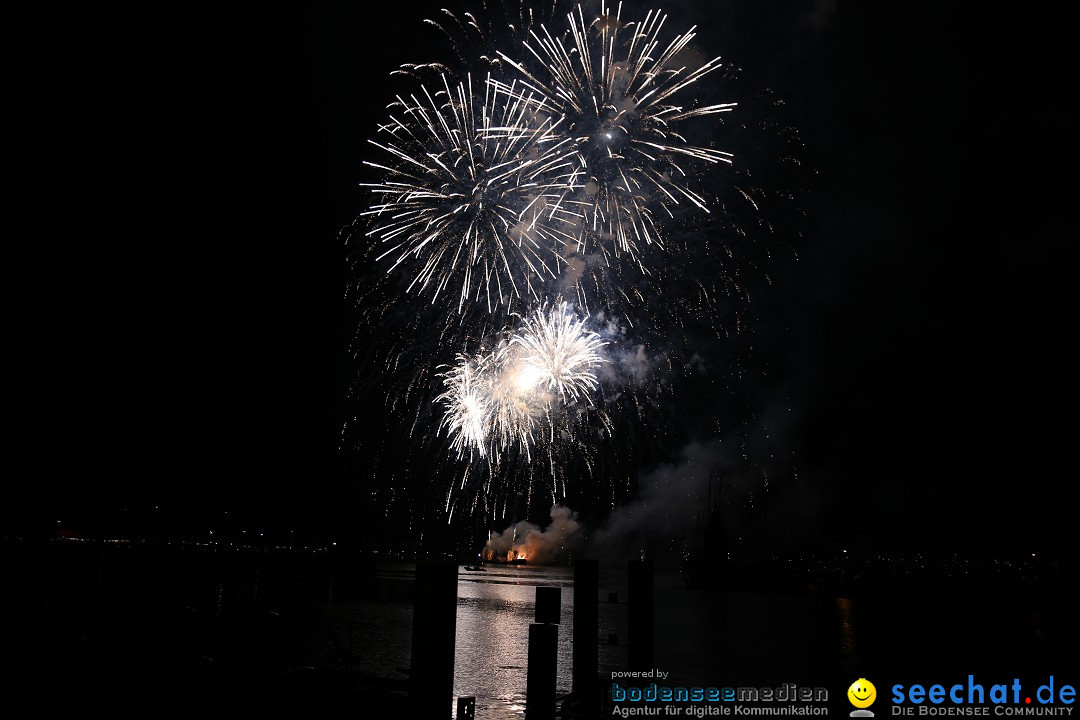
x=468 y=404
x=503 y=398
x=617 y=100
x=465 y=207
x=477 y=40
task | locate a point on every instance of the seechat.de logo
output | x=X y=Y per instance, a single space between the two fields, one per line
x=862 y=694
x=976 y=698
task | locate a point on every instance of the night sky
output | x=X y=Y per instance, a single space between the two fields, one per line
x=178 y=301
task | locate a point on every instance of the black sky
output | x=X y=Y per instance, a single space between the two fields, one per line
x=179 y=307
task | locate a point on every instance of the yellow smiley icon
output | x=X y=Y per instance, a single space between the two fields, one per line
x=862 y=693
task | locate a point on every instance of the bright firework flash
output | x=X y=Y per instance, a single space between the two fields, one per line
x=528 y=398
x=517 y=394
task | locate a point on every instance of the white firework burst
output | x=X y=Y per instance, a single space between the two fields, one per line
x=470 y=202
x=615 y=89
x=513 y=397
x=558 y=354
x=468 y=405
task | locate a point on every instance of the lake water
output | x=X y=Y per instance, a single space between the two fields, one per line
x=151 y=628
x=702 y=637
x=727 y=637
x=495 y=608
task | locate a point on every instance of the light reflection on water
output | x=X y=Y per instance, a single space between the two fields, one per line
x=495 y=609
x=849 y=647
x=702 y=637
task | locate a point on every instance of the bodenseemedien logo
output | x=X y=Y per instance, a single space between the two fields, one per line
x=862 y=694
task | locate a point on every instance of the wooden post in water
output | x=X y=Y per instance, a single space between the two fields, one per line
x=586 y=635
x=466 y=708
x=431 y=677
x=543 y=655
x=640 y=616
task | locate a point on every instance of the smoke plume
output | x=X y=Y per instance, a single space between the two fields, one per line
x=527 y=541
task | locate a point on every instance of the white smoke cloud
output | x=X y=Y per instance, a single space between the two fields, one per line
x=670 y=497
x=627 y=362
x=760 y=496
x=527 y=541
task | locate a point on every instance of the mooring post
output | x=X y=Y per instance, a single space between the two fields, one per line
x=586 y=635
x=543 y=655
x=640 y=616
x=466 y=708
x=431 y=677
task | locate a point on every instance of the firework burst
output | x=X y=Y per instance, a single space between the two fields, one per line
x=518 y=394
x=470 y=202
x=615 y=88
